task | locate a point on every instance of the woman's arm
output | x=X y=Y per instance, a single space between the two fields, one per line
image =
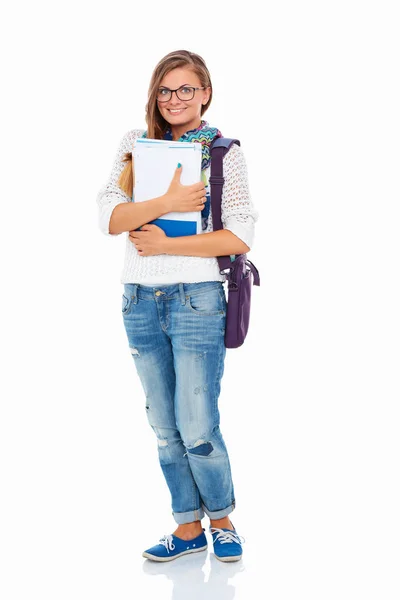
x=238 y=216
x=116 y=211
x=131 y=215
x=215 y=243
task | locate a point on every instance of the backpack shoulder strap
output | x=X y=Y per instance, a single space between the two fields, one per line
x=219 y=148
x=223 y=142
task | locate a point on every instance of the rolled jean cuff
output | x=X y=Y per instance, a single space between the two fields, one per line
x=219 y=514
x=188 y=517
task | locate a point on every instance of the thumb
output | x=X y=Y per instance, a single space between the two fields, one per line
x=178 y=172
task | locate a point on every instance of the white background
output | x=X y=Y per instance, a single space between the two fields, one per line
x=309 y=405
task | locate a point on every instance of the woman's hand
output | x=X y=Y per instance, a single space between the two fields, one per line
x=150 y=240
x=184 y=198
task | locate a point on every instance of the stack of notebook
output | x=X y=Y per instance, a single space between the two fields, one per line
x=155 y=162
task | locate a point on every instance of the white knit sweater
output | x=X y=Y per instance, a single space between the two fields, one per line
x=237 y=214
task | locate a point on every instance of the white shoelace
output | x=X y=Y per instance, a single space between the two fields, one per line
x=227 y=537
x=166 y=541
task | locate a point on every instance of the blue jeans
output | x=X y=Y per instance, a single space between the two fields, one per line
x=176 y=338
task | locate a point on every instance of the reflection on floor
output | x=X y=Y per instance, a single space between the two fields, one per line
x=197 y=576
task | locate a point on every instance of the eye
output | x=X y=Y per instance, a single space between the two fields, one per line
x=161 y=92
x=186 y=90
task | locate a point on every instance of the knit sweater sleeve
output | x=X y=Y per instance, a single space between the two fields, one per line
x=238 y=213
x=111 y=194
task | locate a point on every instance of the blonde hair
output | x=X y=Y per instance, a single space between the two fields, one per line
x=156 y=124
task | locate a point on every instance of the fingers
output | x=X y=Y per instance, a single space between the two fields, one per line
x=202 y=203
x=198 y=196
x=198 y=187
x=178 y=171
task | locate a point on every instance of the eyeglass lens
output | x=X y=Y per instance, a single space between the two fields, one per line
x=184 y=93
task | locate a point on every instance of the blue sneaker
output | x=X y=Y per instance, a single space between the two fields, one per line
x=171 y=547
x=227 y=544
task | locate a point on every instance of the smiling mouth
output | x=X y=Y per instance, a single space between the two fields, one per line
x=176 y=112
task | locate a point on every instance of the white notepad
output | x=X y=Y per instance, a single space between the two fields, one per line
x=155 y=162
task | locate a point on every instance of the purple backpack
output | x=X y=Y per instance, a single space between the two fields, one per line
x=240 y=269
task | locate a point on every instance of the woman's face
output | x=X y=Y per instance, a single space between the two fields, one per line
x=189 y=115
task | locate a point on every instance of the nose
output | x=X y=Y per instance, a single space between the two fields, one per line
x=176 y=94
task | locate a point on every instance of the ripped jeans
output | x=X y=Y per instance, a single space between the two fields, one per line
x=176 y=339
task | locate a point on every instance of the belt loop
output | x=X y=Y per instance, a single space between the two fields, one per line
x=134 y=293
x=182 y=293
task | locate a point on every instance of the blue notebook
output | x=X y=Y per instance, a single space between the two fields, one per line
x=155 y=162
x=175 y=228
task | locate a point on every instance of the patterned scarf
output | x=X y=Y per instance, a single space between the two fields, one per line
x=205 y=135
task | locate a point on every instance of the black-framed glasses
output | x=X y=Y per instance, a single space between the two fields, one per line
x=186 y=92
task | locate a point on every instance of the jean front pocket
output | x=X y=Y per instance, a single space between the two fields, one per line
x=126 y=303
x=207 y=303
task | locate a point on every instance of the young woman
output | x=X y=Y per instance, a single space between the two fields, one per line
x=174 y=305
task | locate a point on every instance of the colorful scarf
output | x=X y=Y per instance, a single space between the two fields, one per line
x=205 y=135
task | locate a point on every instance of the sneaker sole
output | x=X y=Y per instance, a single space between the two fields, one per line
x=228 y=558
x=167 y=558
